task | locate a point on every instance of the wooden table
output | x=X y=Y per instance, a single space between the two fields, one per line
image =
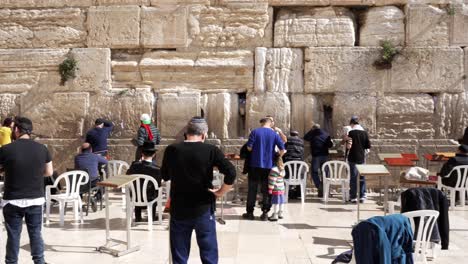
x=118 y=181
x=373 y=170
x=383 y=156
x=403 y=180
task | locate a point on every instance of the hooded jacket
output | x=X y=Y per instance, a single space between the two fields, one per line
x=320 y=142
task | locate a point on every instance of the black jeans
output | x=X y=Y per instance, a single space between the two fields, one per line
x=14 y=223
x=258 y=176
x=139 y=208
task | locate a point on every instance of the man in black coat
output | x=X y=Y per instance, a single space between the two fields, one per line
x=146 y=166
x=461 y=158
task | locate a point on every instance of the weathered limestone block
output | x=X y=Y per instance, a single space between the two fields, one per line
x=237 y=26
x=126 y=71
x=44 y=3
x=347 y=105
x=433 y=2
x=62 y=151
x=183 y=2
x=352 y=2
x=54 y=28
x=124 y=108
x=450 y=116
x=22 y=69
x=212 y=71
x=59 y=115
x=314 y=27
x=279 y=70
x=123 y=149
x=222 y=114
x=9 y=104
x=299 y=2
x=93 y=72
x=390 y=2
x=427 y=25
x=406 y=116
x=164 y=26
x=382 y=24
x=429 y=70
x=274 y=104
x=114 y=26
x=123 y=2
x=330 y=70
x=175 y=110
x=305 y=111
x=460 y=24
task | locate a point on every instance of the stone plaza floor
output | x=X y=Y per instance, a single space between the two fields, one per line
x=309 y=233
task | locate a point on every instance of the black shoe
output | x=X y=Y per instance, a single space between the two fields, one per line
x=264 y=216
x=248 y=216
x=93 y=205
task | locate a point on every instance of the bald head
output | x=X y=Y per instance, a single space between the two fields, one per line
x=86 y=147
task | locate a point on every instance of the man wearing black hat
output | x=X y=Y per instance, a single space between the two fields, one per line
x=98 y=136
x=461 y=158
x=189 y=166
x=26 y=163
x=146 y=166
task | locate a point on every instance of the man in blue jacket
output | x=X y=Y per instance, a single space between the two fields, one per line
x=98 y=136
x=320 y=142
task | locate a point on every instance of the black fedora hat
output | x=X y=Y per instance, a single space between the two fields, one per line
x=149 y=146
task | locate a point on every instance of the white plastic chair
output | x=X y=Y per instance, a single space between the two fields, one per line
x=338 y=173
x=117 y=167
x=73 y=180
x=461 y=186
x=298 y=171
x=427 y=219
x=138 y=194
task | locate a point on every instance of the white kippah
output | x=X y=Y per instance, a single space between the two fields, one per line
x=145 y=117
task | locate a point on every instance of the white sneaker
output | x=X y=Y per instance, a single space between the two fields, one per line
x=280 y=215
x=353 y=200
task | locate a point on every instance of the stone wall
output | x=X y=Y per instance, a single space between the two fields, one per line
x=234 y=61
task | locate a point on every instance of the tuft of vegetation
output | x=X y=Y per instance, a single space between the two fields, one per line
x=123 y=92
x=450 y=10
x=67 y=70
x=387 y=55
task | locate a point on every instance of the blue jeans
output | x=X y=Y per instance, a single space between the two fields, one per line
x=353 y=185
x=181 y=236
x=317 y=163
x=14 y=223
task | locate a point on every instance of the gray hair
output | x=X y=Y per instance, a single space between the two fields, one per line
x=197 y=126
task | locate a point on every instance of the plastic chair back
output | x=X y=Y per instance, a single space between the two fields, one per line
x=336 y=170
x=73 y=180
x=116 y=167
x=462 y=176
x=427 y=220
x=139 y=188
x=297 y=171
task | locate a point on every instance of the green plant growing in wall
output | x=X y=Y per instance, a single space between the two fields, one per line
x=388 y=53
x=68 y=69
x=450 y=10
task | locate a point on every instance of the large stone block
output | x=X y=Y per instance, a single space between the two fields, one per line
x=299 y=2
x=58 y=115
x=114 y=26
x=450 y=117
x=314 y=27
x=9 y=105
x=330 y=70
x=125 y=70
x=93 y=72
x=347 y=105
x=123 y=149
x=279 y=70
x=429 y=70
x=123 y=2
x=62 y=151
x=123 y=108
x=460 y=24
x=263 y=104
x=44 y=3
x=427 y=25
x=220 y=71
x=406 y=116
x=382 y=24
x=222 y=114
x=164 y=26
x=173 y=122
x=237 y=26
x=305 y=111
x=42 y=28
x=185 y=2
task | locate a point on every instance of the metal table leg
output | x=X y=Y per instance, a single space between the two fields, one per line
x=357 y=195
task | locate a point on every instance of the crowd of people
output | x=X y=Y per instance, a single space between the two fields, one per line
x=189 y=166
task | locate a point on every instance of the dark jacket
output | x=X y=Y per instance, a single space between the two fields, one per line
x=90 y=162
x=245 y=155
x=320 y=142
x=360 y=142
x=429 y=199
x=451 y=180
x=150 y=169
x=294 y=149
x=465 y=137
x=97 y=137
x=383 y=240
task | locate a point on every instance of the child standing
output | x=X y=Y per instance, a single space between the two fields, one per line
x=276 y=189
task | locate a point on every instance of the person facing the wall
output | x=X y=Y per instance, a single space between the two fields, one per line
x=98 y=136
x=147 y=132
x=6 y=131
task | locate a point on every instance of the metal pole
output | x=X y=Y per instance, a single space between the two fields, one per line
x=128 y=213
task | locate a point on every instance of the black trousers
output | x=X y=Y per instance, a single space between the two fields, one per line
x=138 y=210
x=258 y=176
